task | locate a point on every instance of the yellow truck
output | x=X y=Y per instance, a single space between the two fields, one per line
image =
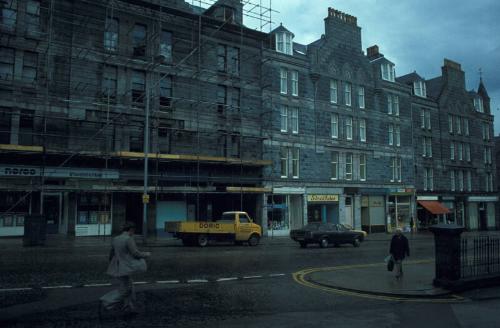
x=232 y=226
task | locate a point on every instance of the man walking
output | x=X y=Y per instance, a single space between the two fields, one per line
x=125 y=260
x=399 y=249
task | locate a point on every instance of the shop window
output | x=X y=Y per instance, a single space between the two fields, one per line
x=14 y=207
x=93 y=214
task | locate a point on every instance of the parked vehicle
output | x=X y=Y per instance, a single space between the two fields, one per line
x=326 y=234
x=349 y=227
x=232 y=226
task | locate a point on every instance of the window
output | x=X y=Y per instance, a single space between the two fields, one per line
x=335 y=165
x=393 y=105
x=6 y=63
x=425 y=119
x=466 y=126
x=388 y=72
x=361 y=97
x=452 y=180
x=452 y=150
x=295 y=163
x=109 y=81
x=284 y=118
x=397 y=133
x=419 y=89
x=295 y=83
x=334 y=123
x=284 y=43
x=486 y=131
x=347 y=93
x=333 y=91
x=460 y=150
x=396 y=169
x=139 y=39
x=362 y=130
x=30 y=66
x=283 y=81
x=487 y=155
x=428 y=179
x=348 y=166
x=362 y=167
x=166 y=45
x=489 y=182
x=467 y=152
x=138 y=86
x=166 y=91
x=478 y=104
x=461 y=180
x=295 y=120
x=458 y=125
x=221 y=98
x=427 y=147
x=469 y=181
x=348 y=127
x=224 y=13
x=391 y=134
x=235 y=98
x=8 y=16
x=284 y=162
x=111 y=34
x=450 y=124
x=33 y=16
x=228 y=59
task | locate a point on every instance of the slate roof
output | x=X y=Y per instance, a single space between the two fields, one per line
x=409 y=78
x=281 y=28
x=434 y=87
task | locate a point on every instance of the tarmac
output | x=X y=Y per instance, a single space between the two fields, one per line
x=367 y=279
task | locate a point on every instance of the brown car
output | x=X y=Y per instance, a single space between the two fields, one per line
x=326 y=234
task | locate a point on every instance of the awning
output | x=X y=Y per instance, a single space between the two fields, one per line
x=434 y=206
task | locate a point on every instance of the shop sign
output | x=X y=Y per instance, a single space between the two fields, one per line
x=57 y=172
x=322 y=198
x=483 y=198
x=376 y=202
x=427 y=198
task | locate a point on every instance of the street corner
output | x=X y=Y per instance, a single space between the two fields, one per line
x=373 y=281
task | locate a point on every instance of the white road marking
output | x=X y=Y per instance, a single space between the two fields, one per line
x=168 y=281
x=197 y=281
x=57 y=287
x=251 y=277
x=97 y=285
x=15 y=289
x=276 y=275
x=227 y=279
x=140 y=282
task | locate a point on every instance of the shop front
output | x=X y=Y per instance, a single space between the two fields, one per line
x=14 y=207
x=430 y=211
x=481 y=212
x=323 y=208
x=373 y=213
x=284 y=210
x=93 y=214
x=400 y=209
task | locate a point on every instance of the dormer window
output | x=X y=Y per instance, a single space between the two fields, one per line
x=388 y=72
x=284 y=43
x=225 y=14
x=419 y=89
x=478 y=104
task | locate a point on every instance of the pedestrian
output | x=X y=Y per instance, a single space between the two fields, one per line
x=412 y=224
x=399 y=249
x=124 y=261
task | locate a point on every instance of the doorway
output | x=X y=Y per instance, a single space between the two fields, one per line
x=52 y=210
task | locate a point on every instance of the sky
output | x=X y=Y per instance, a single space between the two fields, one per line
x=414 y=34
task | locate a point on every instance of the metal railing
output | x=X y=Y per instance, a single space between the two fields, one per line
x=479 y=256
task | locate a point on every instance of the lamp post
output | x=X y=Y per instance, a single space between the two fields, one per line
x=145 y=196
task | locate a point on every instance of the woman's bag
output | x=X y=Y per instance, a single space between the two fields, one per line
x=390 y=264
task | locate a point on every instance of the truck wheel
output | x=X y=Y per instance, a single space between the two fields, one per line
x=202 y=240
x=253 y=240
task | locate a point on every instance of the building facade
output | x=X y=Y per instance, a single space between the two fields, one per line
x=226 y=118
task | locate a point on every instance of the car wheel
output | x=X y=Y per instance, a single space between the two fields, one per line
x=356 y=242
x=253 y=240
x=303 y=244
x=323 y=242
x=202 y=240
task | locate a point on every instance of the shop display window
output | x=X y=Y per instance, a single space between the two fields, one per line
x=277 y=215
x=94 y=208
x=14 y=206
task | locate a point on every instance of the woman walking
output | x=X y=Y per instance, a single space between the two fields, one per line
x=124 y=260
x=399 y=249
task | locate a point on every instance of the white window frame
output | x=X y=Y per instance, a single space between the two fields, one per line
x=397 y=134
x=391 y=134
x=295 y=120
x=460 y=180
x=295 y=156
x=458 y=125
x=362 y=130
x=450 y=123
x=283 y=81
x=334 y=162
x=348 y=94
x=467 y=152
x=362 y=167
x=388 y=72
x=348 y=128
x=390 y=104
x=428 y=179
x=348 y=166
x=284 y=162
x=334 y=125
x=452 y=180
x=280 y=42
x=419 y=89
x=460 y=151
x=295 y=83
x=466 y=126
x=452 y=150
x=478 y=104
x=333 y=91
x=469 y=181
x=284 y=118
x=361 y=97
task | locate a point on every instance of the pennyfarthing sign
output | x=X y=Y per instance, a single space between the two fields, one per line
x=57 y=172
x=322 y=198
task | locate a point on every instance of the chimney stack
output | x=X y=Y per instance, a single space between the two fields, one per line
x=372 y=52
